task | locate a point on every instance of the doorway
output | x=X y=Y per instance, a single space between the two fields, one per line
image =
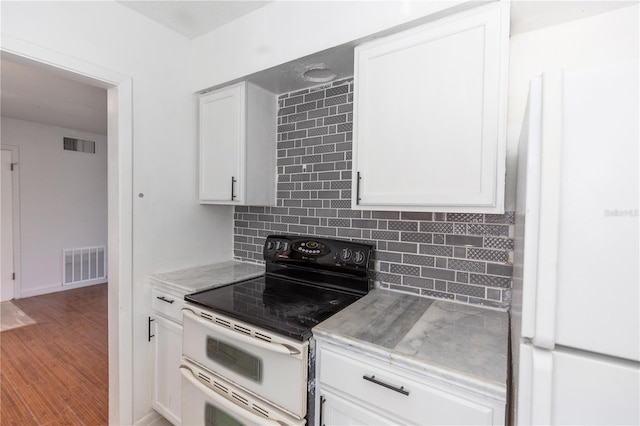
x=120 y=211
x=7 y=287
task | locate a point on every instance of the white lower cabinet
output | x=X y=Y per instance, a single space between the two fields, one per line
x=167 y=341
x=167 y=378
x=356 y=389
x=339 y=410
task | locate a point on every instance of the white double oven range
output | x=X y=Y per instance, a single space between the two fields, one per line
x=248 y=352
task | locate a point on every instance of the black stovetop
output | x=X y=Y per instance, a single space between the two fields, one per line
x=277 y=305
x=303 y=286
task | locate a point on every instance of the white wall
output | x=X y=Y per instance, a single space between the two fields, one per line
x=601 y=39
x=63 y=200
x=114 y=37
x=170 y=228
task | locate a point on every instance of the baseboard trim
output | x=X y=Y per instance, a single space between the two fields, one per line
x=150 y=419
x=56 y=288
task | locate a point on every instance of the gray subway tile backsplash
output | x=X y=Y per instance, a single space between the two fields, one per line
x=431 y=227
x=490 y=280
x=464 y=240
x=466 y=265
x=417 y=216
x=500 y=269
x=438 y=273
x=456 y=256
x=434 y=250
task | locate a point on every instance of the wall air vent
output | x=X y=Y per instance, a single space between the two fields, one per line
x=83 y=265
x=79 y=145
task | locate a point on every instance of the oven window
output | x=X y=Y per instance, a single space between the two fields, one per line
x=235 y=359
x=213 y=416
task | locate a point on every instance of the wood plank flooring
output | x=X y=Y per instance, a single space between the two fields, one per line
x=55 y=372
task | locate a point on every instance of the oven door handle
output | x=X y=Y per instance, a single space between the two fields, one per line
x=280 y=348
x=232 y=408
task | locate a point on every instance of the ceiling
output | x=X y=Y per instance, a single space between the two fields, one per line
x=193 y=18
x=38 y=94
x=532 y=15
x=33 y=93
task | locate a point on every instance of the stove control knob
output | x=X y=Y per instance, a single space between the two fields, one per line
x=345 y=254
x=358 y=257
x=269 y=245
x=278 y=245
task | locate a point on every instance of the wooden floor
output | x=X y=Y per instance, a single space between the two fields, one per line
x=55 y=372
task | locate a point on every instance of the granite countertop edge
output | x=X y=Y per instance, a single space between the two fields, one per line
x=207 y=276
x=447 y=376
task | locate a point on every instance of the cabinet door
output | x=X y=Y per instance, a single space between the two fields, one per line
x=430 y=116
x=222 y=145
x=339 y=411
x=167 y=378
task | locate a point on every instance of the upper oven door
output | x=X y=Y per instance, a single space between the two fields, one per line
x=273 y=367
x=209 y=400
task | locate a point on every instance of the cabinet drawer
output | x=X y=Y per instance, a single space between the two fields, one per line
x=167 y=304
x=390 y=390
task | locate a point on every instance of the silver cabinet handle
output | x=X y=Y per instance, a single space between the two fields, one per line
x=400 y=389
x=164 y=299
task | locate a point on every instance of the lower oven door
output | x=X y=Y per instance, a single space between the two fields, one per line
x=271 y=366
x=212 y=401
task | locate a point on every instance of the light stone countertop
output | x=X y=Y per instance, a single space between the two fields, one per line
x=463 y=345
x=203 y=277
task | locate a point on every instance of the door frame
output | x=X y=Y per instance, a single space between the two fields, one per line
x=15 y=207
x=120 y=210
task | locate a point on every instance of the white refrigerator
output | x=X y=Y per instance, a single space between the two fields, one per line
x=575 y=308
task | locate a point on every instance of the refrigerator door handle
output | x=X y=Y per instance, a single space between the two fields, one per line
x=549 y=218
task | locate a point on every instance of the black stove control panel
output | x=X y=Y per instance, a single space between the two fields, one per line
x=337 y=255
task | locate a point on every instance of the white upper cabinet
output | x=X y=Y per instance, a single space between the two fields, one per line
x=237 y=146
x=430 y=115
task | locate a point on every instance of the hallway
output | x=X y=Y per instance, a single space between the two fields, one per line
x=56 y=371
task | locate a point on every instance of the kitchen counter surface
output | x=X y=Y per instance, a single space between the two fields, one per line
x=460 y=344
x=204 y=277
